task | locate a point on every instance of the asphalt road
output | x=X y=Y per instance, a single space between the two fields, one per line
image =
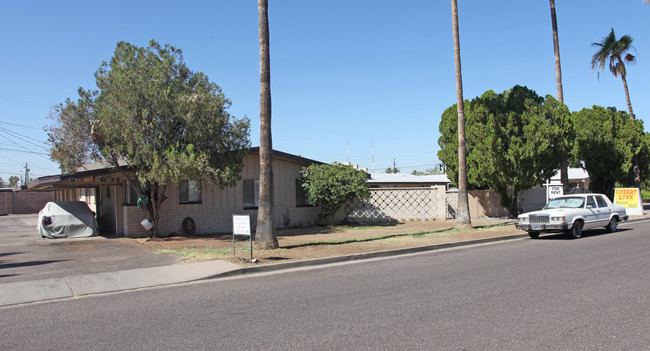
x=547 y=294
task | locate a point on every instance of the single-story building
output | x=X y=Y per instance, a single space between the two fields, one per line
x=110 y=195
x=399 y=180
x=578 y=180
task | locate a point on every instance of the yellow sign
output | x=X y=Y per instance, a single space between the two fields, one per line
x=630 y=198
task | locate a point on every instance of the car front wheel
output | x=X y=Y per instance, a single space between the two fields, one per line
x=533 y=235
x=613 y=224
x=576 y=231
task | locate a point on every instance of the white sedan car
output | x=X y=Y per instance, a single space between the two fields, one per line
x=571 y=214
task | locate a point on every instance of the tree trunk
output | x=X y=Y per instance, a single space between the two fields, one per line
x=556 y=49
x=564 y=163
x=265 y=237
x=627 y=97
x=463 y=219
x=636 y=168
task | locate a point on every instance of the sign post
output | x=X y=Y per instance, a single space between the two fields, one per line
x=553 y=191
x=241 y=225
x=630 y=198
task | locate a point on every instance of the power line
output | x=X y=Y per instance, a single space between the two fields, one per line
x=26 y=151
x=20 y=125
x=23 y=137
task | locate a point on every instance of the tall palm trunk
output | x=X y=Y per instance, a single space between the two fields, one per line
x=564 y=159
x=627 y=97
x=265 y=237
x=463 y=218
x=635 y=166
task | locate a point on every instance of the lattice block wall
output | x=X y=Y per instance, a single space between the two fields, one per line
x=398 y=204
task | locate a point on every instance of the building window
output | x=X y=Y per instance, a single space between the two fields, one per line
x=251 y=193
x=131 y=193
x=189 y=191
x=301 y=196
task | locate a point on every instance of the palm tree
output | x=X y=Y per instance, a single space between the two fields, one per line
x=463 y=219
x=564 y=163
x=265 y=236
x=614 y=53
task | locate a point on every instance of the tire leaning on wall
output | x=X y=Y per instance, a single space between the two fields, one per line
x=189 y=227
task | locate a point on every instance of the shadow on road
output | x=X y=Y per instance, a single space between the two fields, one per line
x=594 y=233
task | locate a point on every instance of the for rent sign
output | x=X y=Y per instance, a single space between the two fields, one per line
x=555 y=191
x=630 y=198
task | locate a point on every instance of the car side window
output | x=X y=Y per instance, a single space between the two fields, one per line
x=601 y=201
x=591 y=202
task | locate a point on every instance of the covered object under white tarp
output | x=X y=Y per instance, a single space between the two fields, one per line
x=67 y=219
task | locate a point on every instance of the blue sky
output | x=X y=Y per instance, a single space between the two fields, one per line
x=345 y=75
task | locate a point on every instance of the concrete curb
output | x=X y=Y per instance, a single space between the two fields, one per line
x=89 y=284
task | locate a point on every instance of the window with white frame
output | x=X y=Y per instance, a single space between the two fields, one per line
x=189 y=191
x=251 y=193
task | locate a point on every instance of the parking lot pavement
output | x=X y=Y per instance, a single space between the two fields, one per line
x=25 y=256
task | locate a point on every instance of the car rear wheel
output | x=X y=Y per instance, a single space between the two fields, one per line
x=613 y=224
x=576 y=231
x=533 y=235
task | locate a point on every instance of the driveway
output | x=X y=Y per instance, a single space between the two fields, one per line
x=24 y=255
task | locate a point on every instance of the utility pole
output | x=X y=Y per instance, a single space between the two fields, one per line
x=373 y=156
x=347 y=150
x=26 y=174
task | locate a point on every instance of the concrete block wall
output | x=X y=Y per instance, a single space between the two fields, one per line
x=395 y=204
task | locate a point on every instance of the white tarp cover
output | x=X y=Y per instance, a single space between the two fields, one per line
x=63 y=219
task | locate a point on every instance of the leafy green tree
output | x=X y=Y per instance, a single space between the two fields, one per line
x=463 y=219
x=265 y=236
x=167 y=122
x=428 y=171
x=70 y=136
x=512 y=141
x=614 y=53
x=607 y=142
x=392 y=170
x=330 y=186
x=13 y=181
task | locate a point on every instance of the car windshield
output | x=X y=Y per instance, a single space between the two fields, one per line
x=566 y=202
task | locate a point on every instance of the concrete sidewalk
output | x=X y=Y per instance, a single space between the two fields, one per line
x=88 y=284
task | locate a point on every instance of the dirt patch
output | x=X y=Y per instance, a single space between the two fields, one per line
x=318 y=242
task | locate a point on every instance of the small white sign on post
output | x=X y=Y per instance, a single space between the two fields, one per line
x=241 y=225
x=555 y=191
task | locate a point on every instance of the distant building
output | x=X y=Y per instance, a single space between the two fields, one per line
x=578 y=180
x=399 y=180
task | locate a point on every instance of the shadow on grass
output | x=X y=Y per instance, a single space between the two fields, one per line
x=368 y=239
x=329 y=229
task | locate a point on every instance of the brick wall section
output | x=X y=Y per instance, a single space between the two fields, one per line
x=6 y=203
x=23 y=202
x=31 y=202
x=216 y=220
